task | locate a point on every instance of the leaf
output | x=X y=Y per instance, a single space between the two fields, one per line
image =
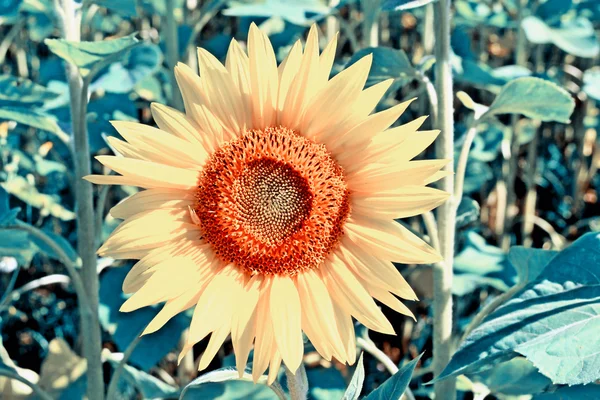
x=14 y=243
x=475 y=13
x=61 y=368
x=91 y=57
x=356 y=383
x=395 y=386
x=553 y=9
x=553 y=322
x=125 y=327
x=467 y=213
x=148 y=386
x=20 y=90
x=33 y=118
x=7 y=214
x=11 y=387
x=387 y=63
x=515 y=377
x=125 y=8
x=578 y=392
x=28 y=193
x=60 y=242
x=223 y=384
x=121 y=77
x=528 y=262
x=591 y=83
x=576 y=36
x=401 y=5
x=535 y=98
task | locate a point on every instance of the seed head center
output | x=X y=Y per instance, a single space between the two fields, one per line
x=272 y=202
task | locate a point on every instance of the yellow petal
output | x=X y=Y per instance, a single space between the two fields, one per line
x=352 y=296
x=265 y=341
x=216 y=340
x=177 y=123
x=302 y=88
x=238 y=65
x=152 y=199
x=403 y=202
x=161 y=175
x=286 y=312
x=264 y=79
x=287 y=73
x=274 y=365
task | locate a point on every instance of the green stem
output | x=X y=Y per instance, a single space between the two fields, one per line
x=172 y=44
x=442 y=272
x=297 y=383
x=509 y=168
x=90 y=325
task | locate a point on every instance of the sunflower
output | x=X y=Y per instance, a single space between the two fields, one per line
x=270 y=204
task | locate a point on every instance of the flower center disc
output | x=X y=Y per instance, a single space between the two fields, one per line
x=272 y=202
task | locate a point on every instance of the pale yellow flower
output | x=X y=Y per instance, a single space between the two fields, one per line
x=269 y=204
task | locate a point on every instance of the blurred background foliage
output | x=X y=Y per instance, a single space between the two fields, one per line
x=530 y=182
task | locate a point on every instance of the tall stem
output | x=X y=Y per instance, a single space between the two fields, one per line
x=78 y=91
x=297 y=383
x=506 y=213
x=172 y=44
x=442 y=272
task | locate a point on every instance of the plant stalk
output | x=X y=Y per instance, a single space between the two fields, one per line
x=90 y=325
x=297 y=383
x=442 y=272
x=172 y=44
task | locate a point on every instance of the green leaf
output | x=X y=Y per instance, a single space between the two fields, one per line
x=20 y=90
x=33 y=118
x=467 y=213
x=528 y=262
x=91 y=57
x=578 y=392
x=125 y=8
x=591 y=83
x=21 y=188
x=553 y=322
x=575 y=36
x=60 y=242
x=15 y=243
x=223 y=384
x=395 y=386
x=147 y=385
x=7 y=214
x=535 y=98
x=356 y=383
x=387 y=63
x=401 y=5
x=514 y=378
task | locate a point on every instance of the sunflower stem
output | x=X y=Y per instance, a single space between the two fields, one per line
x=69 y=16
x=297 y=383
x=442 y=271
x=172 y=44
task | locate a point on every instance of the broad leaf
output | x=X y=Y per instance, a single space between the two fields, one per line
x=514 y=378
x=223 y=384
x=535 y=98
x=529 y=263
x=356 y=383
x=125 y=8
x=387 y=63
x=553 y=322
x=467 y=213
x=395 y=386
x=578 y=392
x=91 y=57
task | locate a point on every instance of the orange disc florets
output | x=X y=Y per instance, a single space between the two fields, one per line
x=272 y=202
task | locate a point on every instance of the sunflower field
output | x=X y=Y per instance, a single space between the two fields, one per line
x=300 y=199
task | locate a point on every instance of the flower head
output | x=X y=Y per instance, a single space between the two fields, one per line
x=270 y=204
